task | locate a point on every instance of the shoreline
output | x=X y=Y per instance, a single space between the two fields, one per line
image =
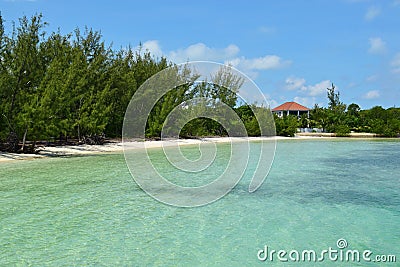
x=115 y=146
x=351 y=135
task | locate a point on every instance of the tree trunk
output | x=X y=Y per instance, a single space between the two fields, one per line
x=24 y=139
x=79 y=134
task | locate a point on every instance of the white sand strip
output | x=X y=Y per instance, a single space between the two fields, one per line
x=52 y=151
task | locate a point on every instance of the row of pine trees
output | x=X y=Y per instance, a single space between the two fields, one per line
x=56 y=88
x=59 y=88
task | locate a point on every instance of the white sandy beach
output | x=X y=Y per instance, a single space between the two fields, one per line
x=115 y=146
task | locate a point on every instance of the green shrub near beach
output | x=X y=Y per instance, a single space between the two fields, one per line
x=342 y=131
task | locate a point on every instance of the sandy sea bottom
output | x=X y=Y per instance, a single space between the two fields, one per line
x=89 y=211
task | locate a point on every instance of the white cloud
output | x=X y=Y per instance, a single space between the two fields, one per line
x=396 y=63
x=228 y=55
x=372 y=94
x=153 y=47
x=200 y=51
x=396 y=3
x=293 y=83
x=317 y=89
x=372 y=13
x=377 y=46
x=261 y=63
x=305 y=101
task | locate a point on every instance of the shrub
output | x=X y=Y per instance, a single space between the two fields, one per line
x=342 y=130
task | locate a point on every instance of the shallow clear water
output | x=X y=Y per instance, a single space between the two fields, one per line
x=89 y=211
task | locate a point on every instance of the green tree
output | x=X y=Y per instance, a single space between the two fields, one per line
x=249 y=119
x=55 y=88
x=5 y=81
x=336 y=110
x=122 y=86
x=333 y=98
x=226 y=85
x=319 y=117
x=171 y=99
x=353 y=109
x=23 y=70
x=353 y=116
x=287 y=125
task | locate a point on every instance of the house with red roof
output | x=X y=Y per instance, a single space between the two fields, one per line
x=291 y=108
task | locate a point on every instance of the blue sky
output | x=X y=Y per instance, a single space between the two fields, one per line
x=292 y=49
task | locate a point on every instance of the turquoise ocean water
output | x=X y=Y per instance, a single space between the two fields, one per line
x=88 y=210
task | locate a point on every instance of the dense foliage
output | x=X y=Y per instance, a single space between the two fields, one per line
x=56 y=88
x=342 y=119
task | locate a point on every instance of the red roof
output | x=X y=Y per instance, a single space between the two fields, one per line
x=291 y=106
